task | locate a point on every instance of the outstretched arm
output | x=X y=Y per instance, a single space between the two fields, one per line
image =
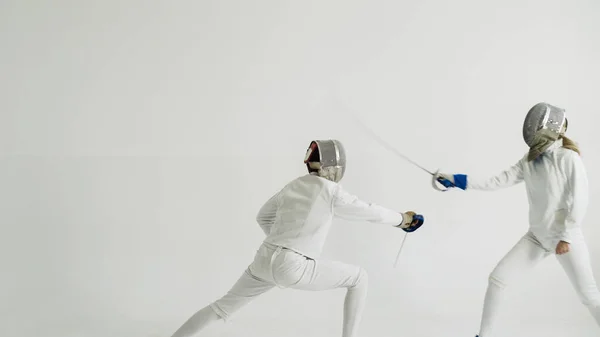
x=266 y=214
x=506 y=178
x=350 y=207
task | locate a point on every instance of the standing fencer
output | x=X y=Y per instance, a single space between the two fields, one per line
x=296 y=221
x=557 y=188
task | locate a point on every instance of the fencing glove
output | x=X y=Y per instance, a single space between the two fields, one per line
x=411 y=221
x=452 y=180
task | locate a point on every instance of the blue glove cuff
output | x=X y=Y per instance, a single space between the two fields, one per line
x=460 y=181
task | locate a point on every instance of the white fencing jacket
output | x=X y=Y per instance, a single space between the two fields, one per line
x=557 y=189
x=300 y=215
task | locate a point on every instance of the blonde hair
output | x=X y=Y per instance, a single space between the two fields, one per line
x=542 y=145
x=570 y=144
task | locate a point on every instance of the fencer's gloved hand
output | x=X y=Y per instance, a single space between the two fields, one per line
x=411 y=221
x=452 y=180
x=562 y=248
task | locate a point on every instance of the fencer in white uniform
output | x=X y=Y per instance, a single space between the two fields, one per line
x=557 y=189
x=296 y=221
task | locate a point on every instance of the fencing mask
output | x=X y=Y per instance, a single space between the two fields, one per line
x=544 y=125
x=327 y=158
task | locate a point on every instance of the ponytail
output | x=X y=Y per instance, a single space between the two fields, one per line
x=569 y=144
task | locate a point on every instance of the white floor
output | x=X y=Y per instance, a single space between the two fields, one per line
x=250 y=324
x=398 y=327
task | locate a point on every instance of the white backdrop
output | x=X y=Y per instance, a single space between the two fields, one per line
x=138 y=140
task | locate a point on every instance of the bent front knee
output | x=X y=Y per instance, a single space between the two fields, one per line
x=220 y=312
x=495 y=280
x=362 y=278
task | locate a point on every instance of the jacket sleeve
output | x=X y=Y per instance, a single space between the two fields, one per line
x=577 y=194
x=267 y=213
x=507 y=178
x=350 y=207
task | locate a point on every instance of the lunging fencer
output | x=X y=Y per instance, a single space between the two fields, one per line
x=296 y=221
x=557 y=188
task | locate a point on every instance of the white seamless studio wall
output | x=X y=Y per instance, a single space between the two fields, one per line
x=138 y=140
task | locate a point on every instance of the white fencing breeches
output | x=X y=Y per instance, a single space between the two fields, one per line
x=525 y=255
x=273 y=267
